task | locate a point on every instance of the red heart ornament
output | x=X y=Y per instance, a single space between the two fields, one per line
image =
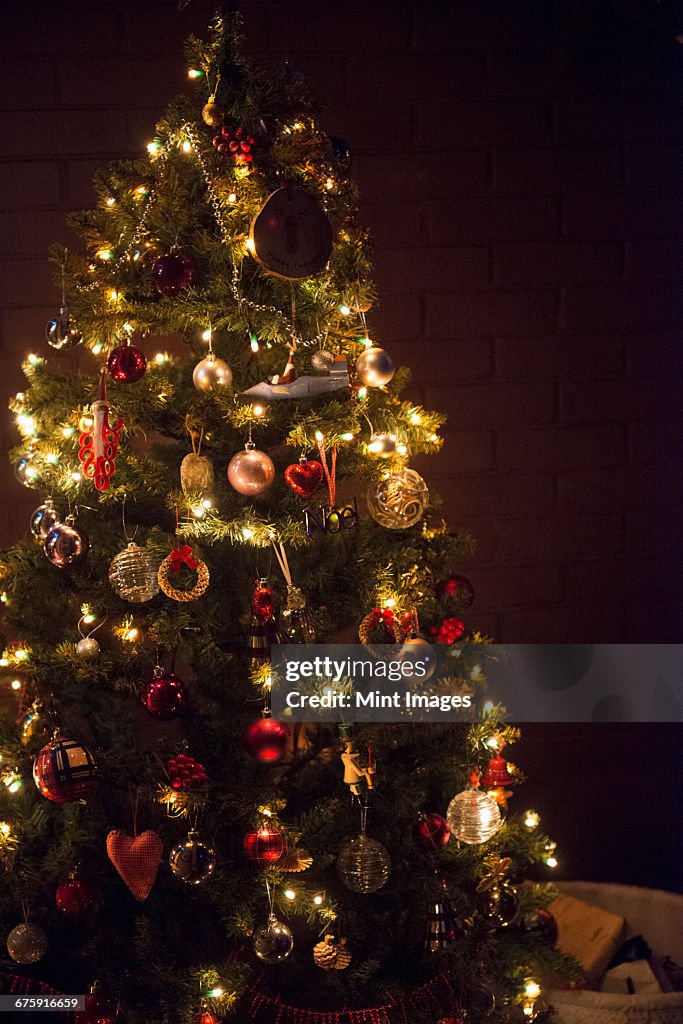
x=136 y=859
x=304 y=477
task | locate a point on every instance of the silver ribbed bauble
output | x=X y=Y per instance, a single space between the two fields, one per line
x=473 y=816
x=196 y=473
x=363 y=864
x=375 y=367
x=27 y=943
x=274 y=941
x=322 y=361
x=87 y=648
x=398 y=500
x=133 y=574
x=211 y=373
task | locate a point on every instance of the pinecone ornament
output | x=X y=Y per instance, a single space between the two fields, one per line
x=328 y=955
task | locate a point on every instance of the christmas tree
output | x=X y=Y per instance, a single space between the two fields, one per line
x=179 y=845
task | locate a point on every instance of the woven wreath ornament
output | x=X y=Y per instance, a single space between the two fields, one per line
x=173 y=564
x=385 y=618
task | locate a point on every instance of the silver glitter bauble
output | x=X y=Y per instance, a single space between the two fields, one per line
x=295 y=619
x=375 y=367
x=61 y=333
x=251 y=472
x=322 y=361
x=65 y=544
x=43 y=519
x=363 y=864
x=196 y=474
x=87 y=648
x=274 y=941
x=398 y=500
x=473 y=816
x=191 y=861
x=211 y=374
x=133 y=574
x=382 y=444
x=27 y=943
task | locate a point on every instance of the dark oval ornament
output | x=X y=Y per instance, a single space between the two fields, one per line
x=126 y=364
x=164 y=695
x=65 y=544
x=291 y=236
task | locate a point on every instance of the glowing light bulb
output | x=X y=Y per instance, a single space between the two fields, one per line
x=161 y=358
x=551 y=862
x=154 y=147
x=34 y=360
x=348 y=436
x=206 y=335
x=187 y=146
x=289 y=894
x=198 y=511
x=232 y=198
x=52 y=458
x=104 y=254
x=247 y=533
x=68 y=431
x=3 y=598
x=131 y=634
x=317 y=900
x=390 y=602
x=194 y=73
x=26 y=424
x=76 y=476
x=215 y=993
x=250 y=245
x=532 y=819
x=112 y=295
x=362 y=393
x=415 y=417
x=16 y=684
x=344 y=309
x=257 y=410
x=253 y=341
x=532 y=989
x=319 y=436
x=5 y=828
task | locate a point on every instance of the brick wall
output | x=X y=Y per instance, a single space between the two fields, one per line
x=525 y=197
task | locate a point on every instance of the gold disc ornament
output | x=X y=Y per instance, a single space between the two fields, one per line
x=291 y=236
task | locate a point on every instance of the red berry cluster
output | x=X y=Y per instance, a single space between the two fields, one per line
x=236 y=142
x=448 y=631
x=185 y=772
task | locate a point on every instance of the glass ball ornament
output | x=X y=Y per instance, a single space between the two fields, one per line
x=274 y=941
x=500 y=904
x=26 y=471
x=164 y=696
x=295 y=618
x=27 y=943
x=211 y=374
x=43 y=519
x=87 y=648
x=126 y=364
x=61 y=333
x=322 y=361
x=382 y=444
x=266 y=740
x=191 y=861
x=374 y=367
x=65 y=544
x=473 y=816
x=363 y=864
x=133 y=574
x=251 y=472
x=173 y=272
x=64 y=770
x=398 y=500
x=431 y=832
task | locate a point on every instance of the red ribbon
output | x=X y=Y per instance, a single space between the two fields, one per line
x=182 y=556
x=383 y=615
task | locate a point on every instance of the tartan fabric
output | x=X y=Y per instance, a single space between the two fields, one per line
x=65 y=770
x=266 y=845
x=136 y=858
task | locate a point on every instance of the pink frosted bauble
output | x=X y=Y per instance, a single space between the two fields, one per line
x=251 y=472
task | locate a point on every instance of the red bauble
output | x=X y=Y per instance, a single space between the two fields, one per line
x=266 y=845
x=65 y=770
x=431 y=831
x=164 y=695
x=99 y=1009
x=173 y=272
x=304 y=477
x=204 y=1017
x=126 y=364
x=266 y=740
x=497 y=774
x=263 y=602
x=75 y=896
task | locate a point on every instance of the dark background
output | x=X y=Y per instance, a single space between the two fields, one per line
x=520 y=168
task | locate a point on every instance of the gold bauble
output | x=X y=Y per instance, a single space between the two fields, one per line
x=212 y=114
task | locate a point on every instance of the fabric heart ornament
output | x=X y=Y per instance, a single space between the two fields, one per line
x=136 y=858
x=304 y=477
